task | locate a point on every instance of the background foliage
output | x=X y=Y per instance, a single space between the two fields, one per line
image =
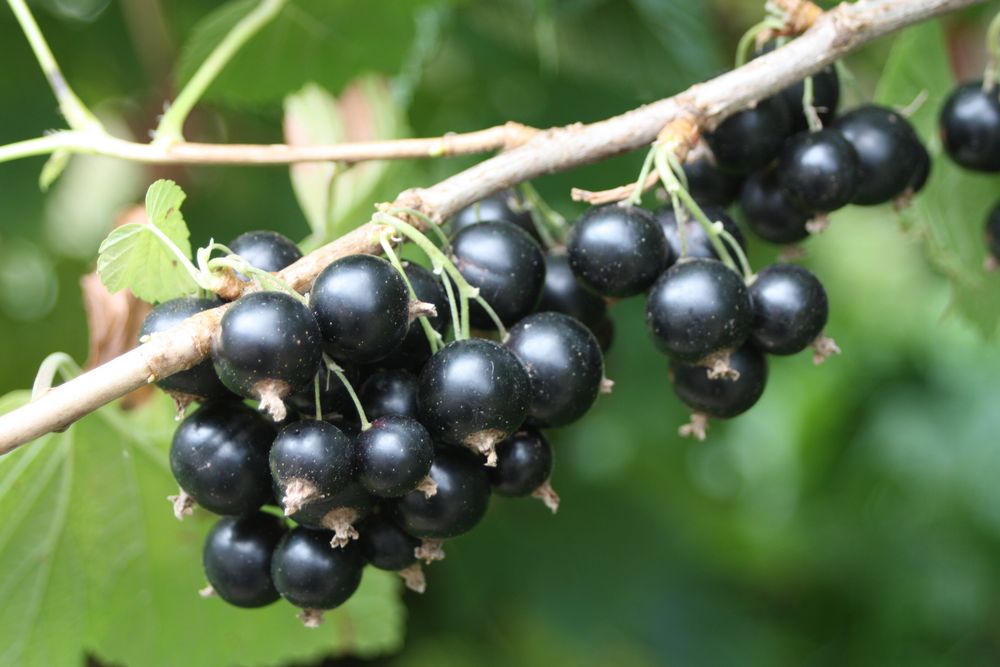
x=852 y=517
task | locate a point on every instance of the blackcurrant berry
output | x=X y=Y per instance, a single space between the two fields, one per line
x=524 y=463
x=993 y=232
x=769 y=213
x=310 y=460
x=237 y=558
x=414 y=351
x=564 y=363
x=790 y=308
x=710 y=185
x=334 y=401
x=268 y=347
x=826 y=95
x=337 y=513
x=722 y=397
x=362 y=306
x=697 y=308
x=393 y=456
x=311 y=575
x=818 y=171
x=563 y=293
x=390 y=392
x=507 y=266
x=886 y=146
x=617 y=250
x=474 y=393
x=750 y=139
x=200 y=381
x=970 y=126
x=268 y=251
x=506 y=206
x=385 y=545
x=463 y=495
x=921 y=171
x=219 y=457
x=696 y=242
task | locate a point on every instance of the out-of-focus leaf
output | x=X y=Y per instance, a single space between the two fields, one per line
x=323 y=41
x=948 y=216
x=92 y=561
x=140 y=257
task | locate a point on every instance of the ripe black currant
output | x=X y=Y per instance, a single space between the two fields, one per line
x=564 y=363
x=697 y=308
x=507 y=266
x=617 y=250
x=362 y=306
x=886 y=146
x=268 y=251
x=506 y=206
x=790 y=308
x=722 y=397
x=463 y=494
x=219 y=457
x=415 y=350
x=200 y=381
x=337 y=513
x=563 y=293
x=310 y=460
x=524 y=463
x=385 y=545
x=921 y=171
x=826 y=95
x=696 y=242
x=237 y=558
x=710 y=185
x=393 y=456
x=970 y=126
x=474 y=393
x=335 y=403
x=311 y=575
x=769 y=213
x=390 y=392
x=993 y=232
x=749 y=139
x=818 y=171
x=268 y=347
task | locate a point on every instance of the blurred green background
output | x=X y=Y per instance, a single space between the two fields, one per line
x=852 y=517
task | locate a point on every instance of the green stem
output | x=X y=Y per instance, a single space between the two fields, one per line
x=317 y=398
x=548 y=216
x=339 y=372
x=433 y=337
x=171 y=127
x=635 y=198
x=199 y=278
x=809 y=105
x=57 y=363
x=738 y=251
x=268 y=280
x=991 y=76
x=746 y=42
x=73 y=110
x=433 y=226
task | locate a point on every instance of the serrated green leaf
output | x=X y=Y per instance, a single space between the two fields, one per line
x=948 y=216
x=52 y=169
x=151 y=259
x=93 y=562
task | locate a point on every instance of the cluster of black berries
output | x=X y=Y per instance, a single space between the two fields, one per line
x=970 y=132
x=449 y=423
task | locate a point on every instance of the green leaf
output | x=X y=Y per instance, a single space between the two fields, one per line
x=152 y=260
x=93 y=562
x=52 y=169
x=948 y=216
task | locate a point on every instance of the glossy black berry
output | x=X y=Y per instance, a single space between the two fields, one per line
x=390 y=392
x=268 y=251
x=750 y=139
x=790 y=308
x=564 y=364
x=993 y=232
x=463 y=495
x=768 y=212
x=385 y=545
x=696 y=308
x=268 y=345
x=921 y=170
x=237 y=558
x=970 y=126
x=219 y=457
x=710 y=185
x=415 y=349
x=524 y=463
x=696 y=241
x=887 y=151
x=563 y=293
x=818 y=171
x=393 y=456
x=723 y=397
x=362 y=306
x=617 y=250
x=335 y=403
x=826 y=95
x=311 y=575
x=310 y=460
x=507 y=266
x=505 y=206
x=199 y=381
x=473 y=392
x=338 y=511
